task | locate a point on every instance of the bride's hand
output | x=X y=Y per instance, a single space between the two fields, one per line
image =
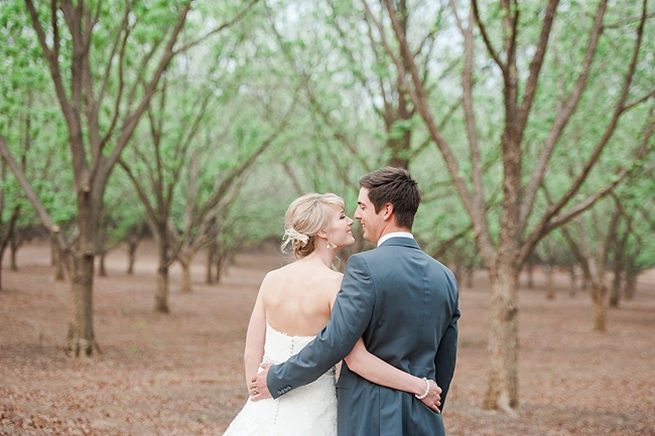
x=433 y=399
x=258 y=390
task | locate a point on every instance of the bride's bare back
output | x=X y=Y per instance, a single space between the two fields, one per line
x=298 y=297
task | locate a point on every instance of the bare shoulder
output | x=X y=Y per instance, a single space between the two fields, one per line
x=273 y=276
x=332 y=281
x=281 y=271
x=335 y=276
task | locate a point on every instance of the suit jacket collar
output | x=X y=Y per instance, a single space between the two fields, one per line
x=400 y=241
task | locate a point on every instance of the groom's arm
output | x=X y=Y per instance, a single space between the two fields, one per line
x=446 y=357
x=350 y=315
x=447 y=352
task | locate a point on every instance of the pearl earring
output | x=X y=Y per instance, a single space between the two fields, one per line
x=328 y=246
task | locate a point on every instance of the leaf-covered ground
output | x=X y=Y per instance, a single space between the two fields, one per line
x=181 y=373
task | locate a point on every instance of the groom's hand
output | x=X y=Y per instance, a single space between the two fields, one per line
x=433 y=399
x=258 y=389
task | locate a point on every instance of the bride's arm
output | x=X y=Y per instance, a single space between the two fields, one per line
x=255 y=337
x=377 y=371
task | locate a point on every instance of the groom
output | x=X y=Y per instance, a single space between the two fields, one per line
x=401 y=301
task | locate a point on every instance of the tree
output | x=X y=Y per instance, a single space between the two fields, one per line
x=120 y=222
x=196 y=165
x=633 y=252
x=359 y=113
x=26 y=119
x=6 y=226
x=102 y=93
x=524 y=72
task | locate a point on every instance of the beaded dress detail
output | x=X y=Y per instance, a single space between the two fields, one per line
x=307 y=410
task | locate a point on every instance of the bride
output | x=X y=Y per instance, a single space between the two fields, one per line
x=293 y=305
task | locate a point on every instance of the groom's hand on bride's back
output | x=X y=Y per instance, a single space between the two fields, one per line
x=433 y=399
x=258 y=389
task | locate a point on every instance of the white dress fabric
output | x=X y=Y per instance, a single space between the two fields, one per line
x=309 y=410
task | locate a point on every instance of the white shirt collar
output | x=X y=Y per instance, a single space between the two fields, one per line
x=395 y=235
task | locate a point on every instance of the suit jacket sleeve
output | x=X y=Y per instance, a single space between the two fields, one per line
x=447 y=352
x=350 y=316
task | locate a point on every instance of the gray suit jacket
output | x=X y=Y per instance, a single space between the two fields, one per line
x=405 y=306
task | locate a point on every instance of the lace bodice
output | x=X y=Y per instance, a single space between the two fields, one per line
x=307 y=410
x=280 y=346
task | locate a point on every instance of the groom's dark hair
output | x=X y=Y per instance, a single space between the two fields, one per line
x=395 y=186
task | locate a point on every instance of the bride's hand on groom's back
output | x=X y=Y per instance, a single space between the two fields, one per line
x=258 y=390
x=433 y=399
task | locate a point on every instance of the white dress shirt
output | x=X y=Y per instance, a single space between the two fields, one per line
x=395 y=235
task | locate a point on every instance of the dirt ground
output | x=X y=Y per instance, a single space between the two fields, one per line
x=182 y=374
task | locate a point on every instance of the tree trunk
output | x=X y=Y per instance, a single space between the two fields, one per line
x=131 y=256
x=58 y=263
x=161 y=296
x=102 y=271
x=54 y=253
x=160 y=230
x=530 y=271
x=1 y=256
x=615 y=290
x=80 y=265
x=630 y=285
x=14 y=246
x=584 y=284
x=550 y=283
x=185 y=261
x=502 y=389
x=458 y=271
x=220 y=266
x=572 y=281
x=8 y=228
x=80 y=338
x=3 y=248
x=469 y=276
x=211 y=250
x=598 y=291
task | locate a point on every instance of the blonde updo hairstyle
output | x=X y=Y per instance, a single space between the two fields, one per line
x=305 y=217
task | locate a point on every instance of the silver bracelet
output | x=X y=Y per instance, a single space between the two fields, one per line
x=427 y=390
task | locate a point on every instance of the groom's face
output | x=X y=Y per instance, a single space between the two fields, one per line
x=371 y=222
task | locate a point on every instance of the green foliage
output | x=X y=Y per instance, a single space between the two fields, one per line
x=324 y=64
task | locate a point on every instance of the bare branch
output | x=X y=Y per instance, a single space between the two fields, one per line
x=638 y=101
x=562 y=118
x=478 y=217
x=626 y=21
x=313 y=100
x=536 y=64
x=293 y=177
x=485 y=38
x=150 y=212
x=142 y=66
x=132 y=119
x=224 y=187
x=630 y=230
x=549 y=222
x=192 y=180
x=445 y=245
x=219 y=28
x=383 y=39
x=609 y=131
x=125 y=30
x=52 y=56
x=364 y=82
x=469 y=113
x=43 y=215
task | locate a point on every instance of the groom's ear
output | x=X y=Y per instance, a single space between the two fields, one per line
x=387 y=210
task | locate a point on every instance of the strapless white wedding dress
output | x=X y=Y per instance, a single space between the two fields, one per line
x=309 y=410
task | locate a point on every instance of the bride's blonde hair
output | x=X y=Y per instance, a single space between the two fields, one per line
x=305 y=217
